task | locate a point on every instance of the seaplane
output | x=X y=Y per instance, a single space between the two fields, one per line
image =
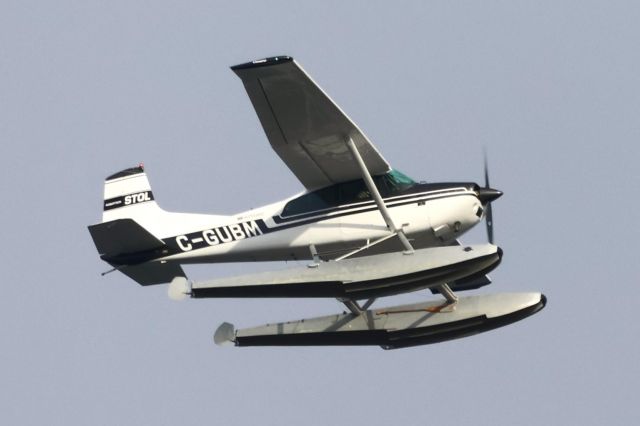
x=361 y=230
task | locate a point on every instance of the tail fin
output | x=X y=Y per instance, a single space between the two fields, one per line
x=122 y=239
x=133 y=226
x=127 y=194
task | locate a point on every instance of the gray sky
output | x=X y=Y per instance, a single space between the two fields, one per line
x=552 y=89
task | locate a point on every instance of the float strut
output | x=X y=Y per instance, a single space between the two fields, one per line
x=353 y=306
x=448 y=294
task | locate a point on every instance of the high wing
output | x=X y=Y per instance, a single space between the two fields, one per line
x=304 y=126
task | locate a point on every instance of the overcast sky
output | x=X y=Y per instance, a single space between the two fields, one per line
x=87 y=88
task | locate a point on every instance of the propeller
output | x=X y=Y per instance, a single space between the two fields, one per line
x=486 y=196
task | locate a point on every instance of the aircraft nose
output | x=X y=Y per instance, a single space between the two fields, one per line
x=487 y=195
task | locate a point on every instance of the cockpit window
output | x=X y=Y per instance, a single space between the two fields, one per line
x=355 y=191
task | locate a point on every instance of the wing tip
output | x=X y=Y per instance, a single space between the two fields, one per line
x=265 y=62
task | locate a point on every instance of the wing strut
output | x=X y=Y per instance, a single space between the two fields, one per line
x=378 y=199
x=444 y=289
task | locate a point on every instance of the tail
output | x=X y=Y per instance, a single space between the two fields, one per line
x=122 y=238
x=127 y=194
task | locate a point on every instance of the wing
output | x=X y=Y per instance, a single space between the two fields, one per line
x=304 y=126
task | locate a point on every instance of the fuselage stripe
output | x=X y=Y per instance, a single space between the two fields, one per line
x=253 y=228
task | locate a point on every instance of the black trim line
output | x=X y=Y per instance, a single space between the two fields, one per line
x=373 y=207
x=418 y=195
x=128 y=200
x=197 y=241
x=266 y=62
x=126 y=172
x=309 y=289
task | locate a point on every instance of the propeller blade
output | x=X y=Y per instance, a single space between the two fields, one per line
x=486 y=170
x=487 y=195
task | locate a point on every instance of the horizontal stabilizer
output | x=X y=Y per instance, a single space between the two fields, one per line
x=153 y=273
x=123 y=243
x=122 y=236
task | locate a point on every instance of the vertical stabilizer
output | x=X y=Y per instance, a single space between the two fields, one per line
x=127 y=194
x=131 y=235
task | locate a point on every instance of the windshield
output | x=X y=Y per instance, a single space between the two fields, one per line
x=398 y=181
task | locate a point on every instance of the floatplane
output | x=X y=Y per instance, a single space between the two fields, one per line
x=365 y=230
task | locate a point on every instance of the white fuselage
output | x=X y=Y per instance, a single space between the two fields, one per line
x=429 y=218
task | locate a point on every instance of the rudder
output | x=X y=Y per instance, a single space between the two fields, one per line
x=123 y=239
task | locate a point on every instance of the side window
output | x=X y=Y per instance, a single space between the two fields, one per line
x=329 y=195
x=300 y=204
x=317 y=200
x=383 y=185
x=353 y=192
